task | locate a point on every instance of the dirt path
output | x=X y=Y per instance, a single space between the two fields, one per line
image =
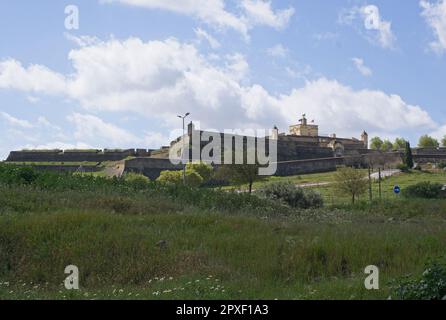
x=115 y=170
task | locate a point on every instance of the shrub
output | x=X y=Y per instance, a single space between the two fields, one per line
x=203 y=169
x=17 y=174
x=171 y=177
x=193 y=179
x=403 y=167
x=136 y=179
x=314 y=199
x=425 y=190
x=431 y=285
x=291 y=195
x=442 y=165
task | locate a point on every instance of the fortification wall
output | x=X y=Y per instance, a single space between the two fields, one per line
x=75 y=155
x=150 y=167
x=287 y=151
x=297 y=167
x=64 y=168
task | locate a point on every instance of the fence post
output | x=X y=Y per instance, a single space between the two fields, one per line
x=370 y=186
x=379 y=180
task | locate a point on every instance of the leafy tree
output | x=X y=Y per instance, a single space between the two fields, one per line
x=376 y=143
x=193 y=179
x=203 y=169
x=399 y=144
x=240 y=174
x=408 y=158
x=351 y=182
x=387 y=146
x=428 y=142
x=443 y=141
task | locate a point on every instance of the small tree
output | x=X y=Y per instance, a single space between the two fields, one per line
x=443 y=142
x=193 y=179
x=387 y=146
x=376 y=143
x=427 y=141
x=408 y=158
x=351 y=182
x=399 y=144
x=240 y=174
x=203 y=169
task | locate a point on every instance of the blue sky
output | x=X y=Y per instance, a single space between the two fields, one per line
x=120 y=79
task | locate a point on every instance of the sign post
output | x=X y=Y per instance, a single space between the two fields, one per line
x=397 y=190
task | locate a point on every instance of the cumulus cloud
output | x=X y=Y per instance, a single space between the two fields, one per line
x=375 y=27
x=215 y=13
x=345 y=110
x=435 y=16
x=160 y=79
x=362 y=68
x=440 y=133
x=35 y=78
x=89 y=127
x=260 y=12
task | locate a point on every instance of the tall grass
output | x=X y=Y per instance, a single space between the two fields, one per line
x=211 y=244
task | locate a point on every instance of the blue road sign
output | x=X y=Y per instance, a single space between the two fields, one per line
x=397 y=189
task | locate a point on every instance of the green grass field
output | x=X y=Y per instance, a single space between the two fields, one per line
x=174 y=244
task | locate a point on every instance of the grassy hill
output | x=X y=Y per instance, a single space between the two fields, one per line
x=139 y=240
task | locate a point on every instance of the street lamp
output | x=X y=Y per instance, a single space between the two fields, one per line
x=182 y=153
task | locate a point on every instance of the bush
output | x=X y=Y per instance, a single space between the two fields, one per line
x=193 y=179
x=426 y=190
x=136 y=179
x=17 y=175
x=442 y=165
x=403 y=167
x=291 y=195
x=431 y=285
x=171 y=177
x=203 y=169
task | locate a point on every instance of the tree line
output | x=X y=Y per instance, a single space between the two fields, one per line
x=425 y=141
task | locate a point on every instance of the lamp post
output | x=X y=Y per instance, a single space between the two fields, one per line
x=182 y=153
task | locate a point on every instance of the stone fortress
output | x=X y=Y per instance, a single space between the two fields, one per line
x=302 y=150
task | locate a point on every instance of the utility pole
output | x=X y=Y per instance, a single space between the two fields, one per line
x=184 y=147
x=370 y=185
x=379 y=180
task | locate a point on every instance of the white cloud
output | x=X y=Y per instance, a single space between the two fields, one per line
x=56 y=145
x=362 y=68
x=440 y=133
x=160 y=79
x=260 y=12
x=92 y=128
x=35 y=78
x=16 y=122
x=278 y=51
x=81 y=41
x=203 y=35
x=214 y=12
x=343 y=110
x=435 y=16
x=376 y=29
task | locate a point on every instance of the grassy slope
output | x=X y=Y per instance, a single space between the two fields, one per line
x=210 y=253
